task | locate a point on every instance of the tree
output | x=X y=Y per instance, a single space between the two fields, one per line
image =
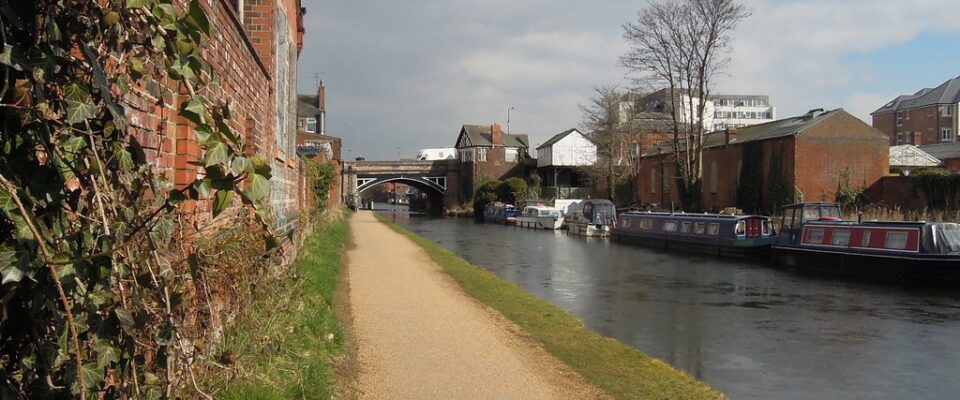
x=681 y=46
x=512 y=189
x=605 y=120
x=485 y=194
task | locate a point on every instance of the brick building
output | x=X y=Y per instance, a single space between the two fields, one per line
x=253 y=57
x=485 y=152
x=926 y=117
x=804 y=158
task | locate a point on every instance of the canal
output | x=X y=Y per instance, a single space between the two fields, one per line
x=751 y=331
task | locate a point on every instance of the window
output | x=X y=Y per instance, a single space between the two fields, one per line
x=512 y=154
x=946 y=110
x=899 y=118
x=895 y=240
x=482 y=154
x=814 y=236
x=653 y=181
x=466 y=155
x=625 y=222
x=946 y=135
x=713 y=229
x=646 y=224
x=699 y=227
x=741 y=228
x=865 y=242
x=713 y=177
x=841 y=237
x=670 y=226
x=311 y=125
x=634 y=151
x=685 y=227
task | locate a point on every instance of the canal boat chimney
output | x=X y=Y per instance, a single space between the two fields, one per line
x=495 y=134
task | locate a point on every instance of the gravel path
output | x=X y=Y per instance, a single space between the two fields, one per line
x=419 y=336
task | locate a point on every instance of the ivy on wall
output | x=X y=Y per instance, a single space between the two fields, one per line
x=940 y=187
x=750 y=181
x=98 y=283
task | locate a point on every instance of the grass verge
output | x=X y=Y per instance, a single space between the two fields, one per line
x=621 y=370
x=282 y=348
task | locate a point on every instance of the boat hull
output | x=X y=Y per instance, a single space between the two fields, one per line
x=752 y=249
x=588 y=229
x=539 y=223
x=921 y=268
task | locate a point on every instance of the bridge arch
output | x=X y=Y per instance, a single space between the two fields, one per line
x=437 y=179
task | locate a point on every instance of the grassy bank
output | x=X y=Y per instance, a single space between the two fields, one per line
x=286 y=346
x=622 y=371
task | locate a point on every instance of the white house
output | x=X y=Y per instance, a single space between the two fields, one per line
x=558 y=160
x=570 y=148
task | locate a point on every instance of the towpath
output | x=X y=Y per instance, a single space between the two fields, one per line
x=419 y=336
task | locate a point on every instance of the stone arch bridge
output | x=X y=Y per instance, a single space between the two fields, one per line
x=439 y=179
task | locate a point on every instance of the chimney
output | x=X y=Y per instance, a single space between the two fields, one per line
x=729 y=136
x=496 y=136
x=322 y=106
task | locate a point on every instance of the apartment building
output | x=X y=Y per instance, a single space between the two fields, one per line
x=926 y=117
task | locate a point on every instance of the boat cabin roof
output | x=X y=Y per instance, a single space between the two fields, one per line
x=721 y=217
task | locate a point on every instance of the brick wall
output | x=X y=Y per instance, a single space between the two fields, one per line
x=918 y=126
x=241 y=57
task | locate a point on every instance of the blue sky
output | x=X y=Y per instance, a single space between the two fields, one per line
x=407 y=74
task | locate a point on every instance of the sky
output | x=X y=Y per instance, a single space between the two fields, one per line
x=405 y=75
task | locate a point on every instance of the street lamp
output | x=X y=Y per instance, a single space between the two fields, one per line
x=508 y=119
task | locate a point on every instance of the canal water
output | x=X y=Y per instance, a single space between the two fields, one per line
x=751 y=331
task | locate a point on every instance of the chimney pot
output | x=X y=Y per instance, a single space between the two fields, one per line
x=729 y=135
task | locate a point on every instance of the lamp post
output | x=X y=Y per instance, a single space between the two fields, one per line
x=508 y=119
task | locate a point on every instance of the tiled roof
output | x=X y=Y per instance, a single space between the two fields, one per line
x=479 y=135
x=942 y=151
x=305 y=109
x=946 y=93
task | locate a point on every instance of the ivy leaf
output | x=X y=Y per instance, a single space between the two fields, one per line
x=11 y=57
x=78 y=112
x=198 y=19
x=259 y=188
x=139 y=3
x=221 y=201
x=216 y=155
x=74 y=144
x=91 y=375
x=203 y=187
x=124 y=160
x=241 y=164
x=126 y=320
x=10 y=265
x=6 y=200
x=195 y=111
x=260 y=166
x=106 y=354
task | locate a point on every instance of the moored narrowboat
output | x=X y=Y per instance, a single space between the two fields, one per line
x=748 y=236
x=814 y=237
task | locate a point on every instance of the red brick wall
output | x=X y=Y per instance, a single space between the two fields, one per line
x=919 y=126
x=243 y=78
x=841 y=142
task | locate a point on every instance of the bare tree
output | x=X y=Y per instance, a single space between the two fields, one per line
x=604 y=120
x=680 y=46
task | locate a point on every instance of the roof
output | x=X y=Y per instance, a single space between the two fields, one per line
x=942 y=151
x=770 y=130
x=907 y=155
x=947 y=93
x=556 y=138
x=305 y=109
x=479 y=135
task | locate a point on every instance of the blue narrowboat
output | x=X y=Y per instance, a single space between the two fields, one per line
x=745 y=236
x=814 y=237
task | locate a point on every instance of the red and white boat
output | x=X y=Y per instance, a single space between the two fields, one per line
x=813 y=236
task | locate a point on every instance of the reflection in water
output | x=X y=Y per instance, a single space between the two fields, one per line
x=751 y=331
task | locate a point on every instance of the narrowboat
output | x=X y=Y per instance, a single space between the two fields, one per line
x=744 y=236
x=814 y=237
x=595 y=217
x=540 y=217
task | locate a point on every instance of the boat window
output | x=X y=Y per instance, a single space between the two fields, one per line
x=947 y=237
x=587 y=211
x=866 y=238
x=685 y=227
x=698 y=228
x=814 y=236
x=741 y=228
x=841 y=237
x=646 y=224
x=713 y=229
x=811 y=214
x=895 y=240
x=830 y=212
x=625 y=222
x=670 y=226
x=767 y=228
x=788 y=219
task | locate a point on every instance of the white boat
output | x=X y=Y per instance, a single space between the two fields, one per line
x=540 y=217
